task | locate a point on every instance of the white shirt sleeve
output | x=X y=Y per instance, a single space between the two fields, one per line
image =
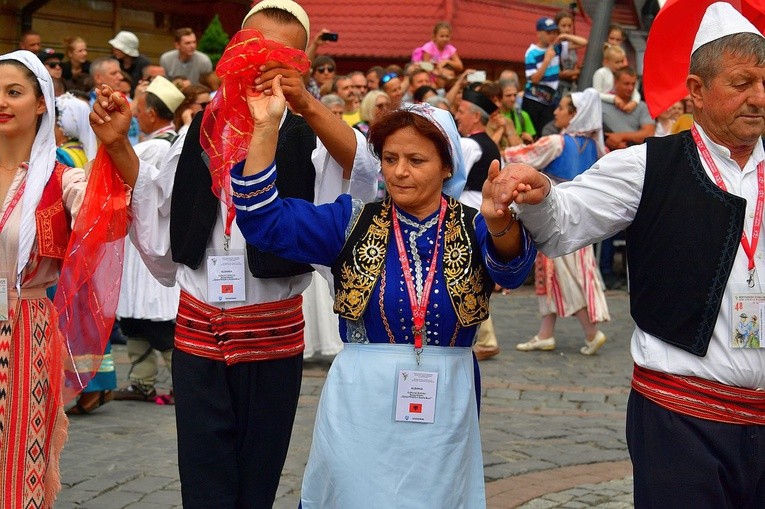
x=329 y=182
x=150 y=230
x=594 y=206
x=538 y=154
x=471 y=152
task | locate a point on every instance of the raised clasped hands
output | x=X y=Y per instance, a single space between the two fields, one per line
x=519 y=183
x=292 y=84
x=111 y=115
x=267 y=108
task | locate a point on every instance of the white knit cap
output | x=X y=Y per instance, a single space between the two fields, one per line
x=166 y=92
x=285 y=5
x=721 y=19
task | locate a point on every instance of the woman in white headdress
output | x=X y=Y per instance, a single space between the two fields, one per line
x=33 y=239
x=569 y=285
x=73 y=125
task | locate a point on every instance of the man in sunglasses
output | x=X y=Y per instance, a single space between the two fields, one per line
x=52 y=62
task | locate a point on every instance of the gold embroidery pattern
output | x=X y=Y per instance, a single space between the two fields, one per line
x=464 y=278
x=358 y=279
x=253 y=194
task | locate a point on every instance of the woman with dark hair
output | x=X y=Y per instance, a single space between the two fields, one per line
x=413 y=276
x=196 y=99
x=39 y=197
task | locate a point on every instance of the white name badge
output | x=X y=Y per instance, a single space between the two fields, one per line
x=416 y=396
x=225 y=277
x=746 y=320
x=3 y=299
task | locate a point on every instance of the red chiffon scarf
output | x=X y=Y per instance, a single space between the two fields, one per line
x=89 y=284
x=227 y=124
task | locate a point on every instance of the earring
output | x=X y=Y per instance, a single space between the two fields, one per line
x=449 y=175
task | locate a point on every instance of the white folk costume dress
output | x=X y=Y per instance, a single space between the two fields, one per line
x=361 y=456
x=32 y=245
x=568 y=283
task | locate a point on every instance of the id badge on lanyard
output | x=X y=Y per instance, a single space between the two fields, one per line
x=747 y=316
x=416 y=395
x=226 y=276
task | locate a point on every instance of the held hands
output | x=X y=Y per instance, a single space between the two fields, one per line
x=267 y=108
x=520 y=183
x=292 y=84
x=111 y=115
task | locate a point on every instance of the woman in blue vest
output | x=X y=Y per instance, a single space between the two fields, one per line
x=569 y=285
x=413 y=275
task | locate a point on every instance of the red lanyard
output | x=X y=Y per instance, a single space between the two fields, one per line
x=418 y=308
x=12 y=205
x=749 y=249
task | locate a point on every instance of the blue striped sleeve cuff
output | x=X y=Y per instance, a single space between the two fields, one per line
x=253 y=191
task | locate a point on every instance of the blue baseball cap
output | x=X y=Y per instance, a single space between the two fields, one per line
x=546 y=25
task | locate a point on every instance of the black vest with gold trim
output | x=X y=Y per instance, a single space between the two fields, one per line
x=358 y=266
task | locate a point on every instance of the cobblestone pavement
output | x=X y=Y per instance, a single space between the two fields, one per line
x=552 y=426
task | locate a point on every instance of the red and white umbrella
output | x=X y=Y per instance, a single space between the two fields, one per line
x=668 y=49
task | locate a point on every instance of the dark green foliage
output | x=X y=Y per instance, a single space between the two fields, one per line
x=213 y=41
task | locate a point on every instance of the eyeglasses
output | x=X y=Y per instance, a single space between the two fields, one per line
x=53 y=65
x=385 y=79
x=203 y=105
x=325 y=68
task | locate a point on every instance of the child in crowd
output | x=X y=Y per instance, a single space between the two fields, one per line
x=614 y=58
x=438 y=51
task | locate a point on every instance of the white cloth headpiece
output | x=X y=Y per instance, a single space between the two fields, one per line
x=721 y=19
x=286 y=5
x=588 y=119
x=41 y=160
x=445 y=123
x=73 y=117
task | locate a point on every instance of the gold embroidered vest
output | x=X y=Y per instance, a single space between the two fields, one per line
x=357 y=268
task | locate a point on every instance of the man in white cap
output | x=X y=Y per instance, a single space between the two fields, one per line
x=692 y=207
x=237 y=362
x=125 y=50
x=147 y=309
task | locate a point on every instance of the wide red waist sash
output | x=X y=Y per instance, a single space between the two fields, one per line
x=273 y=330
x=701 y=398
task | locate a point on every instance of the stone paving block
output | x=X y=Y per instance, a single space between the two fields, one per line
x=112 y=500
x=146 y=484
x=165 y=497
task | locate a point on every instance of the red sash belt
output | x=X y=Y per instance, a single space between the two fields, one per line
x=701 y=398
x=269 y=331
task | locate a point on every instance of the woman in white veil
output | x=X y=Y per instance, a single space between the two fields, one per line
x=569 y=285
x=39 y=197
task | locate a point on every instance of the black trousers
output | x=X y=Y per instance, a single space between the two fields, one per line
x=685 y=462
x=234 y=425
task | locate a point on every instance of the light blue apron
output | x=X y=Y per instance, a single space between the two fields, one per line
x=362 y=458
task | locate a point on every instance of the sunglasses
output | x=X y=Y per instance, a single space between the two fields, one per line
x=385 y=79
x=325 y=68
x=53 y=65
x=203 y=105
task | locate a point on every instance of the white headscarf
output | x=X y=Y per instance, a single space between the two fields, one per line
x=588 y=119
x=41 y=160
x=445 y=123
x=73 y=118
